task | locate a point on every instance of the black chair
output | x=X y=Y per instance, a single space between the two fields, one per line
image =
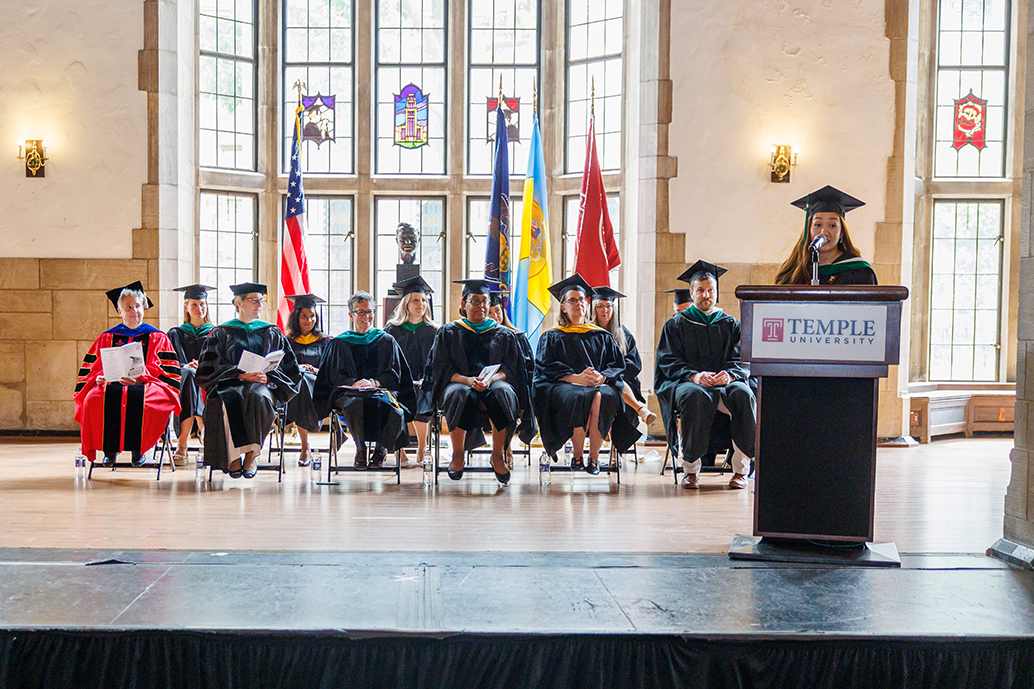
x=165 y=443
x=337 y=438
x=720 y=444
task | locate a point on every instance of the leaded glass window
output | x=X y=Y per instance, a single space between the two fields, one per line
x=227 y=248
x=411 y=49
x=965 y=290
x=504 y=44
x=427 y=215
x=571 y=205
x=972 y=82
x=227 y=83
x=479 y=213
x=318 y=51
x=594 y=44
x=328 y=250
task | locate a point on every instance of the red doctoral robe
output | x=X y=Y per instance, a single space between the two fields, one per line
x=115 y=418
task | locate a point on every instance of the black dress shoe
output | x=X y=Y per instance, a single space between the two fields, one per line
x=360 y=458
x=137 y=460
x=377 y=458
x=108 y=461
x=592 y=468
x=576 y=463
x=235 y=473
x=455 y=475
x=502 y=478
x=253 y=471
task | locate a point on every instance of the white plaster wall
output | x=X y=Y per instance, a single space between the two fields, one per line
x=68 y=74
x=810 y=73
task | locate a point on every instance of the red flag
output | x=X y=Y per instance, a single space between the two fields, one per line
x=595 y=251
x=294 y=268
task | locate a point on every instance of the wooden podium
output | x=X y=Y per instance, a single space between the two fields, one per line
x=818 y=352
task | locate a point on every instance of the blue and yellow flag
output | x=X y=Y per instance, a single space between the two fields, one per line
x=497 y=254
x=534 y=276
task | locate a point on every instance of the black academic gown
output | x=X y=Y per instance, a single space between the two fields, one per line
x=188 y=346
x=527 y=427
x=250 y=407
x=862 y=275
x=459 y=350
x=300 y=410
x=688 y=346
x=416 y=346
x=377 y=416
x=561 y=406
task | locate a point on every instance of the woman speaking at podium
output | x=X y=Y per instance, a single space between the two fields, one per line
x=825 y=235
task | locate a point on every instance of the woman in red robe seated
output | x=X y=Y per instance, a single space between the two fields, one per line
x=129 y=414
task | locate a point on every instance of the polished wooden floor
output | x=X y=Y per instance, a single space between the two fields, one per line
x=945 y=497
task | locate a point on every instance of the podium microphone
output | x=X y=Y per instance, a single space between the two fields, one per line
x=817 y=243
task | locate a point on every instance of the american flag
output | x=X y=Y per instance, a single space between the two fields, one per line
x=294 y=268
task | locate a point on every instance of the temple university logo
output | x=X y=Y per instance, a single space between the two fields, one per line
x=772 y=329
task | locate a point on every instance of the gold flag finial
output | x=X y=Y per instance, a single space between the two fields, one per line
x=534 y=98
x=500 y=90
x=592 y=96
x=300 y=85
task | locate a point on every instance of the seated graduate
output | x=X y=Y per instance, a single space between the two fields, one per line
x=462 y=349
x=187 y=340
x=413 y=327
x=240 y=407
x=309 y=344
x=699 y=372
x=128 y=414
x=840 y=262
x=578 y=381
x=526 y=429
x=605 y=315
x=681 y=298
x=378 y=399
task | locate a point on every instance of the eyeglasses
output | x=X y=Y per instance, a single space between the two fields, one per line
x=477 y=302
x=255 y=300
x=364 y=312
x=576 y=300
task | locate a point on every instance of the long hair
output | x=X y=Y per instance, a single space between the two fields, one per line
x=294 y=328
x=505 y=320
x=613 y=327
x=186 y=313
x=796 y=270
x=401 y=313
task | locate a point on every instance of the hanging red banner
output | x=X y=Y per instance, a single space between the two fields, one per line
x=970 y=121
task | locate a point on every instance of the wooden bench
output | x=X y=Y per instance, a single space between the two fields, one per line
x=945 y=408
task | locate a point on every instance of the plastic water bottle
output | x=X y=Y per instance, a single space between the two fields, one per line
x=428 y=465
x=545 y=478
x=314 y=467
x=199 y=466
x=80 y=465
x=568 y=451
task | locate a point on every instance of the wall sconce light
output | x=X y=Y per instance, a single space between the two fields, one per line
x=34 y=153
x=782 y=162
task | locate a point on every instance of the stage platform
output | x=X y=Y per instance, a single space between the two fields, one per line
x=124 y=581
x=131 y=618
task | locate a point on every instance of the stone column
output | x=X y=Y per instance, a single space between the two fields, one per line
x=1017 y=546
x=658 y=255
x=166 y=238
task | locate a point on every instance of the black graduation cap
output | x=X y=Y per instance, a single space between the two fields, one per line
x=197 y=291
x=682 y=296
x=576 y=281
x=304 y=301
x=827 y=200
x=606 y=293
x=113 y=294
x=478 y=286
x=702 y=267
x=411 y=286
x=247 y=288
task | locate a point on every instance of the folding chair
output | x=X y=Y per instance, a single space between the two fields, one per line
x=337 y=438
x=165 y=442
